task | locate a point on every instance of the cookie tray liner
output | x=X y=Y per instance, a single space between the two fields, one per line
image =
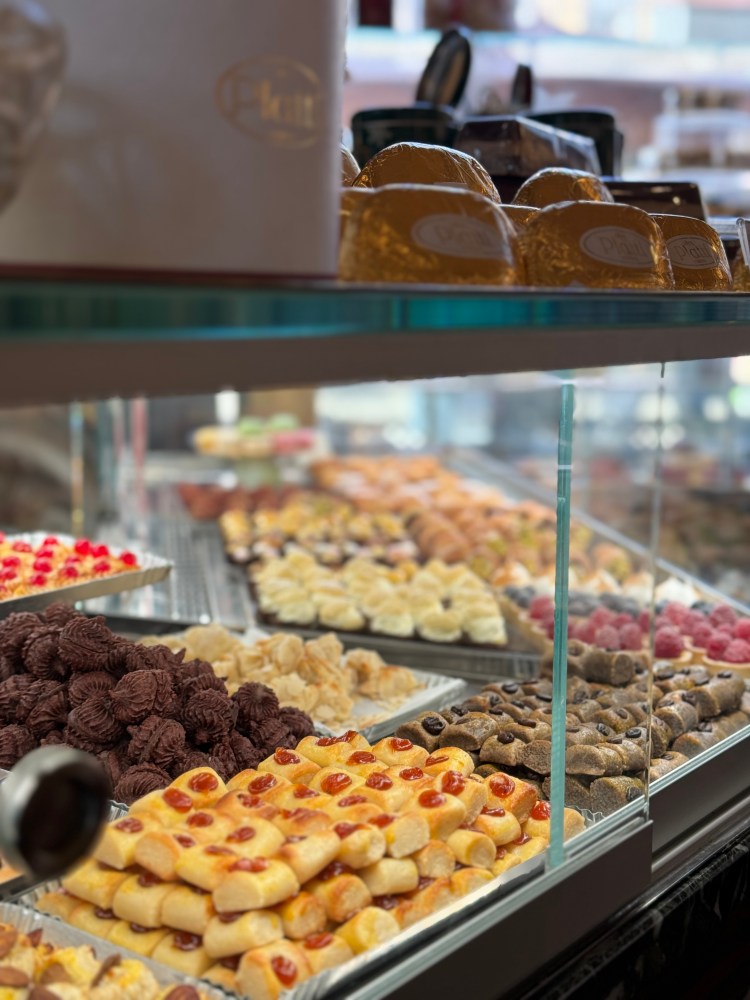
x=56 y=932
x=341 y=979
x=153 y=569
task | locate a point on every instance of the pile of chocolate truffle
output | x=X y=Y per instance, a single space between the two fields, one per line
x=148 y=715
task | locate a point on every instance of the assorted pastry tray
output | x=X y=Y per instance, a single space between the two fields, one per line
x=25 y=919
x=338 y=981
x=149 y=569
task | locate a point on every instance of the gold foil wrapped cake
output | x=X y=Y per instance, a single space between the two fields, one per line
x=417 y=163
x=699 y=261
x=349 y=167
x=740 y=274
x=595 y=245
x=519 y=215
x=410 y=232
x=350 y=197
x=557 y=184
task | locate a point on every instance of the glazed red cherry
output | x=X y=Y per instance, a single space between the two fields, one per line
x=70 y=572
x=42 y=566
x=21 y=547
x=129 y=558
x=541 y=811
x=9 y=561
x=83 y=547
x=38 y=579
x=51 y=541
x=100 y=551
x=8 y=574
x=73 y=561
x=102 y=567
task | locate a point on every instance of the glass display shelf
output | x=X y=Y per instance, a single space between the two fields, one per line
x=64 y=341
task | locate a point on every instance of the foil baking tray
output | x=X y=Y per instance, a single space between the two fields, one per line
x=343 y=977
x=153 y=569
x=55 y=932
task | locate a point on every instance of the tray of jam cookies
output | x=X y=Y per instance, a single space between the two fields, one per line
x=37 y=569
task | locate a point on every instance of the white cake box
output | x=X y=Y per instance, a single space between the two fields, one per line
x=191 y=136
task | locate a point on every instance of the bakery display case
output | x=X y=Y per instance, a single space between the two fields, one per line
x=389 y=569
x=489 y=619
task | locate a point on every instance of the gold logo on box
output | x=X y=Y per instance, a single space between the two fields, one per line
x=694 y=252
x=617 y=245
x=274 y=99
x=458 y=236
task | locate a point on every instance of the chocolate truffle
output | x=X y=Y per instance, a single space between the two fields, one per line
x=7 y=667
x=14 y=631
x=50 y=711
x=143 y=693
x=14 y=702
x=94 y=722
x=156 y=741
x=86 y=644
x=60 y=614
x=115 y=762
x=255 y=703
x=139 y=781
x=15 y=743
x=223 y=761
x=272 y=734
x=85 y=686
x=298 y=722
x=208 y=717
x=206 y=682
x=53 y=739
x=246 y=753
x=191 y=760
x=40 y=655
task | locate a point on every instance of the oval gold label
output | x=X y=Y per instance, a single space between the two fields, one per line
x=274 y=99
x=458 y=236
x=694 y=252
x=617 y=245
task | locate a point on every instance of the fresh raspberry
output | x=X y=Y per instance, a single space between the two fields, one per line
x=631 y=637
x=539 y=605
x=550 y=629
x=644 y=620
x=675 y=612
x=607 y=638
x=668 y=644
x=692 y=621
x=622 y=620
x=716 y=645
x=726 y=630
x=738 y=651
x=702 y=635
x=742 y=628
x=662 y=621
x=722 y=615
x=602 y=616
x=571 y=629
x=585 y=631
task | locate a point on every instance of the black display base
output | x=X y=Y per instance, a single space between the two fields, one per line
x=692 y=943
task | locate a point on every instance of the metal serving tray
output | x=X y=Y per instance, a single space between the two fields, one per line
x=344 y=977
x=153 y=569
x=26 y=920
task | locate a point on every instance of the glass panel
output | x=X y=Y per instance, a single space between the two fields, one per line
x=56 y=311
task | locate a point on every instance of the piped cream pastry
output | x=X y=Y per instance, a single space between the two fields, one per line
x=488 y=630
x=341 y=614
x=441 y=626
x=393 y=619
